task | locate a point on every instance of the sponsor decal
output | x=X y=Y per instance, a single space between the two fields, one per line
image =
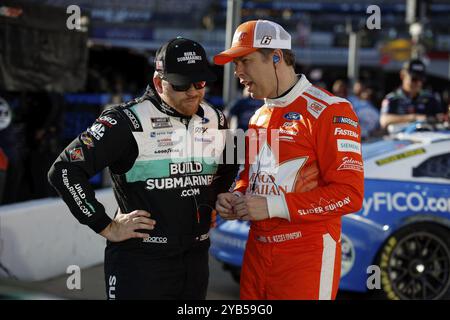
x=204 y=139
x=221 y=119
x=78 y=195
x=328 y=206
x=76 y=155
x=293 y=116
x=160 y=123
x=345 y=120
x=166 y=142
x=286 y=138
x=315 y=108
x=345 y=132
x=179 y=182
x=288 y=132
x=189 y=57
x=166 y=151
x=400 y=156
x=205 y=120
x=403 y=202
x=344 y=145
x=201 y=130
x=185 y=168
x=107 y=121
x=87 y=140
x=155 y=240
x=182 y=175
x=135 y=122
x=349 y=163
x=190 y=192
x=241 y=36
x=154 y=134
x=97 y=130
x=288 y=124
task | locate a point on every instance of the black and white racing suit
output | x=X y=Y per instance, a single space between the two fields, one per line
x=165 y=163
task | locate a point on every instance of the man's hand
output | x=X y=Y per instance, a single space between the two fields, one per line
x=224 y=205
x=252 y=208
x=124 y=226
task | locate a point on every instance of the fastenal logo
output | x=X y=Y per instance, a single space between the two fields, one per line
x=345 y=132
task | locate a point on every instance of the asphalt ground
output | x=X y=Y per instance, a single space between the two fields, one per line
x=221 y=287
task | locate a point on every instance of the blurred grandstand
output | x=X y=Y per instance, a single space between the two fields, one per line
x=110 y=60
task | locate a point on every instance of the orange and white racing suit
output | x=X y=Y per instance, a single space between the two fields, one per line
x=303 y=154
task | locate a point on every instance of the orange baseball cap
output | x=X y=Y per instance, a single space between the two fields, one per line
x=253 y=35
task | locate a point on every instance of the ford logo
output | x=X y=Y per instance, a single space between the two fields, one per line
x=205 y=120
x=292 y=116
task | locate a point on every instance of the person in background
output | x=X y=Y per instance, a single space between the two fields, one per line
x=367 y=114
x=242 y=110
x=410 y=102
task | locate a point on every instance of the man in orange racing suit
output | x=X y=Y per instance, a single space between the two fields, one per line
x=303 y=171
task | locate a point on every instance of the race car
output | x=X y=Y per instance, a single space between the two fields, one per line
x=398 y=245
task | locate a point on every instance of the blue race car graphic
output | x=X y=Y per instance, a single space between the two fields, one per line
x=403 y=229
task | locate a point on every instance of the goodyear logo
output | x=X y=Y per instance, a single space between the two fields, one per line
x=400 y=156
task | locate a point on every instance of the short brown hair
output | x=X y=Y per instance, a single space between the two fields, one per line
x=288 y=55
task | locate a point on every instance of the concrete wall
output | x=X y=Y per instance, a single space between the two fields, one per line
x=39 y=239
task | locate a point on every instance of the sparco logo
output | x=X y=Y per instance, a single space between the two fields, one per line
x=155 y=240
x=133 y=119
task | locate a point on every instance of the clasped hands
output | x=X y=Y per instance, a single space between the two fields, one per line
x=249 y=207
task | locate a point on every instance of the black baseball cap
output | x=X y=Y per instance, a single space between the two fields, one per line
x=182 y=61
x=415 y=67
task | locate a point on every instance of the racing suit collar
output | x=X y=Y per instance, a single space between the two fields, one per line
x=165 y=108
x=285 y=100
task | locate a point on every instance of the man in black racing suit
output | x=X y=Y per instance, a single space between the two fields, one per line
x=158 y=241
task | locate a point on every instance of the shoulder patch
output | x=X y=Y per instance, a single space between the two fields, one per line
x=318 y=100
x=315 y=108
x=135 y=124
x=323 y=96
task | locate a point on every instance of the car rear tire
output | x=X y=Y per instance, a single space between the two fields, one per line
x=415 y=263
